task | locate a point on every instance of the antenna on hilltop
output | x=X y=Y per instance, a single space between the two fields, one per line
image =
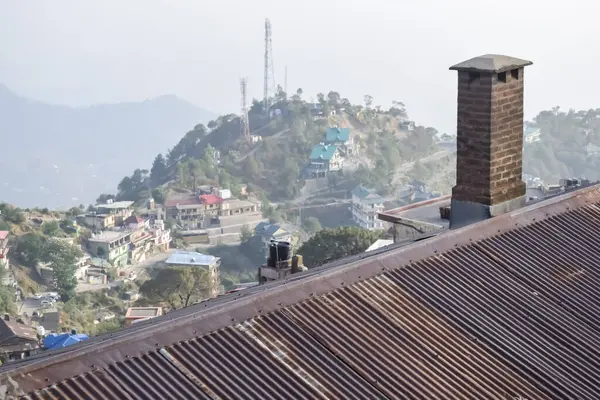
x=269 y=84
x=285 y=81
x=244 y=121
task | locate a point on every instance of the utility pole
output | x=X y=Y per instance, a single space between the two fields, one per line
x=269 y=73
x=285 y=82
x=244 y=120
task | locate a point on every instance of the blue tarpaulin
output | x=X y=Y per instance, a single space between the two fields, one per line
x=55 y=341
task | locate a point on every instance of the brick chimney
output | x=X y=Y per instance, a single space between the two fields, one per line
x=489 y=139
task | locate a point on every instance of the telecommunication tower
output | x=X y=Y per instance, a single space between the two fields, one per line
x=244 y=121
x=269 y=84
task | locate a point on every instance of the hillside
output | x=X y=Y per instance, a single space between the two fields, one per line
x=57 y=156
x=272 y=165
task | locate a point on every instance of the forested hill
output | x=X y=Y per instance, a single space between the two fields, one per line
x=272 y=167
x=569 y=145
x=55 y=153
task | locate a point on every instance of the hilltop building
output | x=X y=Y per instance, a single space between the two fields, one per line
x=532 y=134
x=502 y=305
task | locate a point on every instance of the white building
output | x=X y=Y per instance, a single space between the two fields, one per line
x=532 y=134
x=366 y=203
x=198 y=260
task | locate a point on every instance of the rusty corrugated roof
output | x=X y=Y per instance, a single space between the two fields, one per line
x=503 y=309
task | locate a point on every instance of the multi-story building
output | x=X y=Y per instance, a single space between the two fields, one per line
x=204 y=211
x=341 y=138
x=97 y=221
x=198 y=260
x=366 y=204
x=324 y=159
x=121 y=210
x=4 y=264
x=112 y=246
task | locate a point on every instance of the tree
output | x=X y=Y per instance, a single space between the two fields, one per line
x=331 y=244
x=159 y=170
x=177 y=287
x=51 y=228
x=62 y=257
x=245 y=233
x=104 y=197
x=212 y=125
x=29 y=249
x=7 y=300
x=158 y=195
x=311 y=225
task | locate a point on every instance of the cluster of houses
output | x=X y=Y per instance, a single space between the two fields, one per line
x=329 y=156
x=121 y=238
x=207 y=212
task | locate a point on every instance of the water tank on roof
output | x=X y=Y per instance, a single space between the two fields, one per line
x=284 y=251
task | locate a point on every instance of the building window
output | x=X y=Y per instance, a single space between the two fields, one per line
x=515 y=74
x=502 y=77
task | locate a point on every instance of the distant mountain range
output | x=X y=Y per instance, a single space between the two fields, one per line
x=57 y=156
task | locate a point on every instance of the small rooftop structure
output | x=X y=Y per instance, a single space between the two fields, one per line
x=270 y=230
x=210 y=199
x=191 y=258
x=137 y=314
x=109 y=236
x=491 y=63
x=143 y=312
x=367 y=195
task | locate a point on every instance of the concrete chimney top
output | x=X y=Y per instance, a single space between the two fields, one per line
x=491 y=63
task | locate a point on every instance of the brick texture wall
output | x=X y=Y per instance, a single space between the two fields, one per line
x=489 y=137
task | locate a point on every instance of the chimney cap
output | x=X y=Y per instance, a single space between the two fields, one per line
x=491 y=63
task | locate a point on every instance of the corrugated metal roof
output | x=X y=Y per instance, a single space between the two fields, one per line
x=503 y=309
x=191 y=258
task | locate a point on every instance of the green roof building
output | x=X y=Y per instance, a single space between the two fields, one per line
x=341 y=138
x=323 y=159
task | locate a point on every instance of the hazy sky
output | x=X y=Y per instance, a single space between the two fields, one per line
x=80 y=52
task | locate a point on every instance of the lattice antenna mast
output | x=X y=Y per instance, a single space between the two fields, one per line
x=269 y=83
x=244 y=121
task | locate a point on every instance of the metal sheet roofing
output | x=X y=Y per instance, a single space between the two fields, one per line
x=335 y=135
x=322 y=152
x=503 y=309
x=191 y=258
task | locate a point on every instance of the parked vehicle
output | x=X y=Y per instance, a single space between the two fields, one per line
x=46 y=303
x=36 y=296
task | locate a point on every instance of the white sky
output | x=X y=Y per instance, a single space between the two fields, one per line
x=80 y=52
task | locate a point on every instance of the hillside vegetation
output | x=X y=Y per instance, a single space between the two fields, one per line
x=272 y=167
